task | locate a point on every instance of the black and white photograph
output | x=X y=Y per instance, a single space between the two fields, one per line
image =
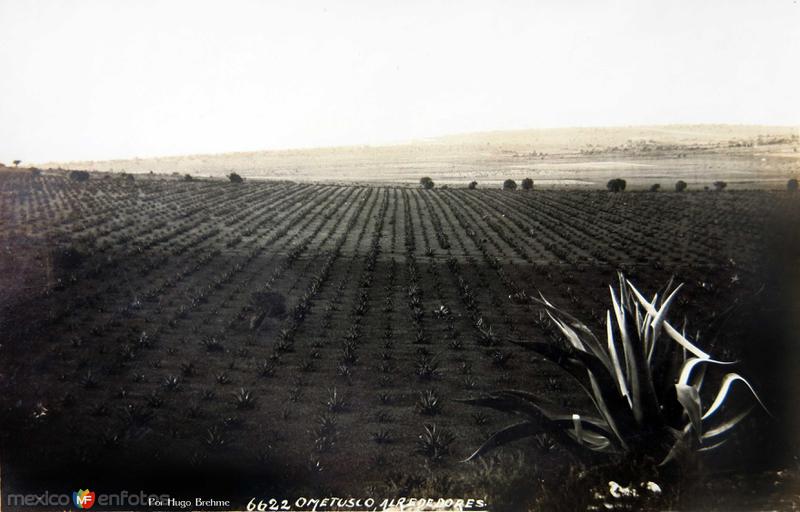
x=374 y=256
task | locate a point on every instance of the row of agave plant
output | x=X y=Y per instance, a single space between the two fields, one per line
x=245 y=398
x=193 y=262
x=647 y=381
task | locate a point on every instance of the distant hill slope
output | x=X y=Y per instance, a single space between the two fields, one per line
x=559 y=155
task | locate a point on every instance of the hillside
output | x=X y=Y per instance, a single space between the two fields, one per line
x=699 y=154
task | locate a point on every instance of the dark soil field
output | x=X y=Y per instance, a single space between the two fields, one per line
x=277 y=339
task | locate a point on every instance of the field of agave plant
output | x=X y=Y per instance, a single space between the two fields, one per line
x=370 y=340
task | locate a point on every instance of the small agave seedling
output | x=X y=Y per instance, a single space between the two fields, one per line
x=645 y=380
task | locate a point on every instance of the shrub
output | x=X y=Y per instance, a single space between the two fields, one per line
x=273 y=304
x=680 y=186
x=426 y=183
x=188 y=177
x=655 y=187
x=791 y=185
x=212 y=344
x=435 y=443
x=527 y=184
x=36 y=172
x=235 y=178
x=79 y=175
x=474 y=184
x=429 y=403
x=243 y=399
x=616 y=185
x=720 y=185
x=647 y=394
x=335 y=401
x=509 y=185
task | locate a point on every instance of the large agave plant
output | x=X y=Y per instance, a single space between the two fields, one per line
x=645 y=379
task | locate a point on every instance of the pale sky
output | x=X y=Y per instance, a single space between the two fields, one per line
x=99 y=79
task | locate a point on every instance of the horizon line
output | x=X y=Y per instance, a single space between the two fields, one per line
x=411 y=141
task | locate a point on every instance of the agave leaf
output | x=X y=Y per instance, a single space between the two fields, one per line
x=661 y=315
x=643 y=396
x=631 y=366
x=544 y=301
x=680 y=444
x=649 y=305
x=505 y=436
x=689 y=366
x=689 y=398
x=590 y=340
x=550 y=410
x=508 y=404
x=659 y=318
x=646 y=335
x=588 y=427
x=571 y=335
x=594 y=378
x=624 y=297
x=713 y=446
x=528 y=404
x=592 y=441
x=726 y=426
x=681 y=339
x=656 y=316
x=669 y=285
x=613 y=412
x=727 y=381
x=576 y=421
x=638 y=323
x=566 y=358
x=588 y=438
x=612 y=351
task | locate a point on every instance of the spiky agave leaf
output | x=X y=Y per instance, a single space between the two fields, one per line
x=645 y=388
x=592 y=375
x=541 y=418
x=505 y=436
x=689 y=398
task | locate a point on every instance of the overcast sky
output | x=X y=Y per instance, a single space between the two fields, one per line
x=97 y=79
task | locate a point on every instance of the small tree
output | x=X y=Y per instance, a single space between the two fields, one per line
x=426 y=183
x=509 y=185
x=474 y=184
x=720 y=185
x=266 y=305
x=17 y=162
x=680 y=186
x=79 y=175
x=655 y=187
x=791 y=185
x=188 y=177
x=616 y=185
x=235 y=178
x=527 y=184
